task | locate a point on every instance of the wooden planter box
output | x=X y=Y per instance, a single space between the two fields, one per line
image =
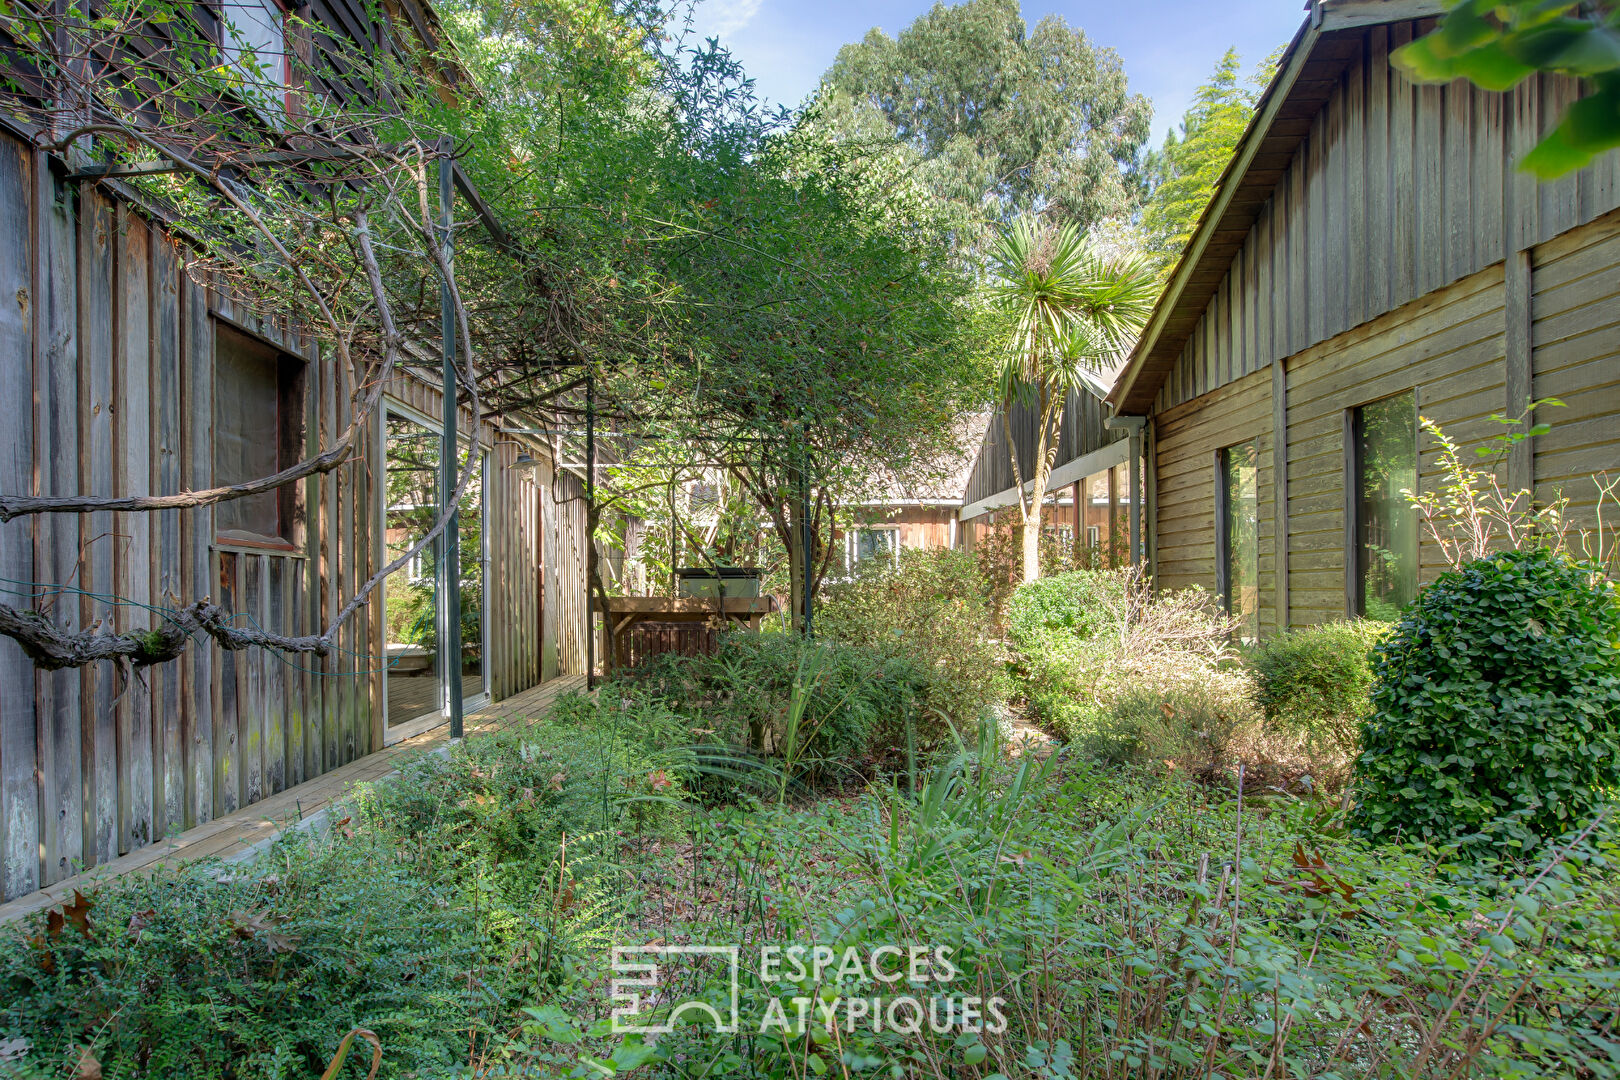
x=644 y=626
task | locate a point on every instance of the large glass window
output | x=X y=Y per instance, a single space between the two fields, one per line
x=416 y=673
x=1239 y=555
x=1386 y=525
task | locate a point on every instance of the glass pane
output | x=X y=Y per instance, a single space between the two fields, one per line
x=1241 y=544
x=470 y=516
x=875 y=544
x=1387 y=526
x=410 y=604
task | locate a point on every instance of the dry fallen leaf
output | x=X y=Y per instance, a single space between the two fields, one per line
x=88 y=1068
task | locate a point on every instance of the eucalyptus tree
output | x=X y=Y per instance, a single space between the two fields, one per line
x=1068 y=311
x=1002 y=118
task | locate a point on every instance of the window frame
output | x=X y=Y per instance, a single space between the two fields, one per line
x=852 y=556
x=292 y=427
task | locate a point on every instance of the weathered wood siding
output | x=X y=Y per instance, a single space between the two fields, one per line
x=1575 y=336
x=1083 y=431
x=1187 y=440
x=1396 y=191
x=562 y=509
x=1449 y=348
x=107 y=373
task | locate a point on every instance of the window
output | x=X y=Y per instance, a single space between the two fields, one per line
x=255 y=44
x=258 y=431
x=1386 y=526
x=881 y=543
x=1238 y=557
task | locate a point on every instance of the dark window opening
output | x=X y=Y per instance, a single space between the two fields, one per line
x=258 y=431
x=1386 y=526
x=1238 y=560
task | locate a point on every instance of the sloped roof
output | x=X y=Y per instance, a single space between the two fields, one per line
x=941 y=484
x=1306 y=75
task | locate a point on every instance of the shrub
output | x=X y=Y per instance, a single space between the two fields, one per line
x=1318 y=680
x=932 y=609
x=1191 y=724
x=1052 y=615
x=1496 y=712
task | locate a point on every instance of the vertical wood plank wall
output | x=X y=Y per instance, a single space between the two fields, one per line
x=1450 y=348
x=1401 y=250
x=1396 y=191
x=1083 y=431
x=106 y=375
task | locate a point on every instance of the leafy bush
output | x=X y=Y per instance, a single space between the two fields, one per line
x=1318 y=679
x=1191 y=724
x=1496 y=712
x=1095 y=905
x=1052 y=615
x=932 y=609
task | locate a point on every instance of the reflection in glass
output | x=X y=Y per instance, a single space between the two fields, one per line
x=470 y=517
x=416 y=677
x=410 y=599
x=1386 y=524
x=1240 y=543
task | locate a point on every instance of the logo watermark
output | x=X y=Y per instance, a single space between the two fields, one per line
x=912 y=983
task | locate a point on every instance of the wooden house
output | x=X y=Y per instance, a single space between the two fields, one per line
x=1371 y=255
x=1089 y=494
x=121 y=374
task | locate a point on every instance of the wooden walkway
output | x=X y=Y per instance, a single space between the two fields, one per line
x=238 y=833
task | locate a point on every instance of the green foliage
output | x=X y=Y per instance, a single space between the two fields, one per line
x=1070 y=310
x=932 y=609
x=187 y=973
x=1496 y=44
x=1053 y=616
x=1139 y=927
x=825 y=712
x=1496 y=713
x=1318 y=679
x=1183 y=173
x=997 y=117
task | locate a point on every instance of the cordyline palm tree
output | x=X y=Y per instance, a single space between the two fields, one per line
x=1071 y=312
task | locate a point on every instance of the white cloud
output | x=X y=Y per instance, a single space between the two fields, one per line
x=718 y=18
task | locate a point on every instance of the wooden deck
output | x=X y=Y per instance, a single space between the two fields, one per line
x=237 y=834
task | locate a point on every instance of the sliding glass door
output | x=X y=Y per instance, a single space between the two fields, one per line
x=416 y=683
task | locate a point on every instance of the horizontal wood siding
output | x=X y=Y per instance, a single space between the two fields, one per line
x=107 y=364
x=1186 y=441
x=1575 y=336
x=1449 y=347
x=1397 y=190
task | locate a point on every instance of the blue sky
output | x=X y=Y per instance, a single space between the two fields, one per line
x=1168 y=46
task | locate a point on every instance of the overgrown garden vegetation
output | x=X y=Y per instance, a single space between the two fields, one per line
x=1190 y=883
x=1355 y=850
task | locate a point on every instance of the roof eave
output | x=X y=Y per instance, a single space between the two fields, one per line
x=1136 y=387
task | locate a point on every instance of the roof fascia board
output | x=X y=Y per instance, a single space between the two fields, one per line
x=1356 y=14
x=1299 y=54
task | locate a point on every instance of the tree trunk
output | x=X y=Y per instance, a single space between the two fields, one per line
x=1032 y=544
